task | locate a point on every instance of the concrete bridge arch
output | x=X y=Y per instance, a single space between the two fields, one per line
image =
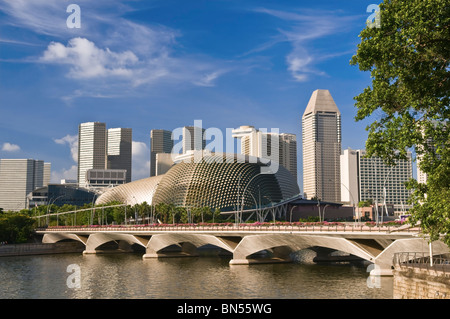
x=187 y=242
x=282 y=246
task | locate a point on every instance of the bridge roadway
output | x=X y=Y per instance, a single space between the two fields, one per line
x=374 y=244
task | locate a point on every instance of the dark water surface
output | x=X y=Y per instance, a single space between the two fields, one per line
x=126 y=276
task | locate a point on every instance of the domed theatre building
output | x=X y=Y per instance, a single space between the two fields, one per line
x=217 y=180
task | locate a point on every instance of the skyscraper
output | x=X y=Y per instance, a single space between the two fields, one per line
x=160 y=142
x=193 y=139
x=119 y=150
x=102 y=149
x=258 y=143
x=92 y=141
x=18 y=177
x=321 y=135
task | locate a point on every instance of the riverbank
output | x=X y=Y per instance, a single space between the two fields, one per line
x=419 y=283
x=40 y=249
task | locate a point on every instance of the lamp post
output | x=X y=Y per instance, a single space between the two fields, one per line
x=324 y=211
x=384 y=194
x=290 y=214
x=135 y=211
x=51 y=203
x=353 y=201
x=318 y=205
x=243 y=195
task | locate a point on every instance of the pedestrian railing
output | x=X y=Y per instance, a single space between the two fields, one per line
x=422 y=260
x=231 y=227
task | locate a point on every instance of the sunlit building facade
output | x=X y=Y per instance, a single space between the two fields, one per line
x=321 y=134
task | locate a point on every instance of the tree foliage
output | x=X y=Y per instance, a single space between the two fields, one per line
x=15 y=227
x=408 y=58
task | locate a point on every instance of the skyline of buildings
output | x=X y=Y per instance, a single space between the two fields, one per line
x=331 y=174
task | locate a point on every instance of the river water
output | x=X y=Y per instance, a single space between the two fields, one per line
x=129 y=276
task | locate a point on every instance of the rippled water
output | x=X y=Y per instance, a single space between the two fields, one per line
x=126 y=276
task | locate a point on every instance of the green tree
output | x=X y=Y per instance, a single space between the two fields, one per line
x=16 y=227
x=408 y=58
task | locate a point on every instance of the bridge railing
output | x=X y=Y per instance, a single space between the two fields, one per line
x=422 y=260
x=309 y=227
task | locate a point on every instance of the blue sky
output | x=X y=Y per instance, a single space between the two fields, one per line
x=164 y=64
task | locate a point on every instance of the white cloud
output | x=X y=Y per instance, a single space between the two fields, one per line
x=305 y=27
x=95 y=51
x=72 y=141
x=70 y=173
x=86 y=60
x=141 y=160
x=8 y=147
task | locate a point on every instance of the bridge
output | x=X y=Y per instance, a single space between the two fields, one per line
x=245 y=242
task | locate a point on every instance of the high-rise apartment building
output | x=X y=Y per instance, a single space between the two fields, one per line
x=160 y=142
x=102 y=149
x=258 y=143
x=119 y=150
x=18 y=177
x=369 y=178
x=92 y=142
x=321 y=135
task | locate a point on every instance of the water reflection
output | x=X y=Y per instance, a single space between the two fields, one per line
x=130 y=276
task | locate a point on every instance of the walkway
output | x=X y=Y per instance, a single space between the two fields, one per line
x=375 y=244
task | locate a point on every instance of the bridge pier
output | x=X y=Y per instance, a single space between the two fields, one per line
x=186 y=249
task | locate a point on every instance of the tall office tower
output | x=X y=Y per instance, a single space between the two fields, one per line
x=370 y=178
x=18 y=177
x=193 y=139
x=258 y=143
x=160 y=142
x=47 y=173
x=288 y=152
x=321 y=134
x=119 y=150
x=92 y=140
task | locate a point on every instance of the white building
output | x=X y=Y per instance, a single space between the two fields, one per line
x=349 y=177
x=281 y=148
x=102 y=149
x=369 y=178
x=321 y=135
x=100 y=178
x=91 y=149
x=18 y=177
x=193 y=139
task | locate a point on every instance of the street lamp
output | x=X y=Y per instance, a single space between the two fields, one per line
x=324 y=211
x=290 y=214
x=135 y=211
x=318 y=205
x=353 y=201
x=51 y=203
x=243 y=195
